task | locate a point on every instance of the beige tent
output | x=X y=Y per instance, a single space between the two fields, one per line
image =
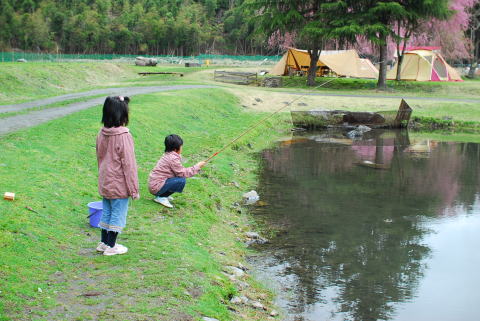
x=424 y=64
x=343 y=63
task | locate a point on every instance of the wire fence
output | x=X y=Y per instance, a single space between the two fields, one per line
x=162 y=59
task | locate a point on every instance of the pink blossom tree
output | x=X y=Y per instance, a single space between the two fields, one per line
x=449 y=34
x=279 y=41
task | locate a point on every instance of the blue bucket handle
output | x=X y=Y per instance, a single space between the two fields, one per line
x=95 y=212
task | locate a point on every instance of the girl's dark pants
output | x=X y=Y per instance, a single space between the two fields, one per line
x=172 y=185
x=109 y=237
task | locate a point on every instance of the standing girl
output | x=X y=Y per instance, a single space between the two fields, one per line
x=117 y=173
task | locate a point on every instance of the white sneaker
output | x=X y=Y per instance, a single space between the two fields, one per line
x=164 y=201
x=170 y=198
x=101 y=247
x=117 y=249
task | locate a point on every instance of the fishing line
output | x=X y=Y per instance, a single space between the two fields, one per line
x=264 y=119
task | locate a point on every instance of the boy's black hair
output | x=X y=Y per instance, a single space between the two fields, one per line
x=173 y=143
x=115 y=111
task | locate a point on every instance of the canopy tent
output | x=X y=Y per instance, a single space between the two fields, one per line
x=424 y=64
x=344 y=63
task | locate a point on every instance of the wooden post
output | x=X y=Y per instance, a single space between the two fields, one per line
x=403 y=114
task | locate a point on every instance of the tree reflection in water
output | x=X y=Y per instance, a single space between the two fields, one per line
x=352 y=247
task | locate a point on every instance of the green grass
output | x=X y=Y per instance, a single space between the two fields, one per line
x=52 y=169
x=21 y=82
x=466 y=89
x=27 y=81
x=463 y=112
x=432 y=123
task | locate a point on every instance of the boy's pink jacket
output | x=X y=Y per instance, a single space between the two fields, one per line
x=117 y=167
x=170 y=165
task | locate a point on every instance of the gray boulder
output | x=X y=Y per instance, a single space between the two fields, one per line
x=252 y=235
x=254 y=238
x=363 y=129
x=142 y=61
x=239 y=300
x=358 y=132
x=235 y=271
x=250 y=197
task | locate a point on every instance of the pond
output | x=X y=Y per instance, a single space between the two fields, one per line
x=384 y=227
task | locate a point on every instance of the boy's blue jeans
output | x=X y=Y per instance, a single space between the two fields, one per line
x=172 y=185
x=114 y=214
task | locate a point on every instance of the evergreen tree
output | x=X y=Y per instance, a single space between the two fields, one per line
x=377 y=19
x=306 y=18
x=190 y=27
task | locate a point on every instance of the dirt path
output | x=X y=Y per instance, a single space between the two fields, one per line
x=126 y=91
x=10 y=124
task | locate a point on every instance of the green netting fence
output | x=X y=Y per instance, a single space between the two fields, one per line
x=214 y=59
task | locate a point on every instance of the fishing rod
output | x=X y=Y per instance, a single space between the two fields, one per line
x=264 y=119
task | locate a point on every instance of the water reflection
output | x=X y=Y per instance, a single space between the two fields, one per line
x=354 y=218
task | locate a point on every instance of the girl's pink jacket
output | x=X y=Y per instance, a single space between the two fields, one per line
x=117 y=167
x=170 y=165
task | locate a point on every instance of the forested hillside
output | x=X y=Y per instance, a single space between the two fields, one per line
x=157 y=27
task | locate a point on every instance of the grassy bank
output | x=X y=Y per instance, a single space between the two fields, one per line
x=466 y=89
x=27 y=81
x=21 y=82
x=173 y=271
x=445 y=124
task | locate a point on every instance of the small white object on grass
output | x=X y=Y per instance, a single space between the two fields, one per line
x=251 y=197
x=9 y=196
